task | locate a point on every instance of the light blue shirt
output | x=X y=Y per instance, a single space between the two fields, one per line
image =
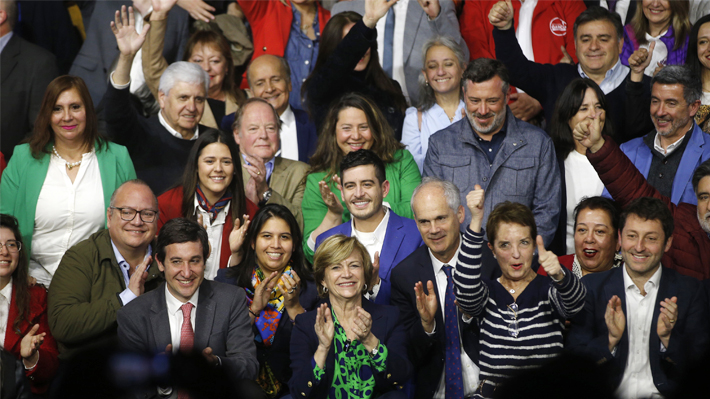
x=127 y=295
x=4 y=40
x=301 y=53
x=613 y=78
x=269 y=166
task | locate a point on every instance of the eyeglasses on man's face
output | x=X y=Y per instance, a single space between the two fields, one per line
x=128 y=214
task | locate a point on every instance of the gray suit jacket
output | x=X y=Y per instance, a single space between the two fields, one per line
x=221 y=323
x=288 y=183
x=26 y=71
x=417 y=31
x=99 y=51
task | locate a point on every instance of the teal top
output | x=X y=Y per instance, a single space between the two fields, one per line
x=24 y=177
x=403 y=175
x=353 y=375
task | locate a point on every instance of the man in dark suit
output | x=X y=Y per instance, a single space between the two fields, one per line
x=643 y=321
x=419 y=286
x=388 y=237
x=189 y=313
x=97 y=54
x=26 y=71
x=269 y=78
x=159 y=145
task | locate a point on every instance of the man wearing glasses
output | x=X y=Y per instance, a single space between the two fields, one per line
x=99 y=275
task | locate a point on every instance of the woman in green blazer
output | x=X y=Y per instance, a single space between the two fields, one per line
x=353 y=122
x=60 y=183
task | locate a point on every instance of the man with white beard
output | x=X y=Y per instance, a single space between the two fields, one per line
x=690 y=251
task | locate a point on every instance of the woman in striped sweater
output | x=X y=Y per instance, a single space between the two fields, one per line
x=522 y=313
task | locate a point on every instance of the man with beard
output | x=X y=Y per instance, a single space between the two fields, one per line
x=690 y=249
x=388 y=237
x=510 y=159
x=667 y=156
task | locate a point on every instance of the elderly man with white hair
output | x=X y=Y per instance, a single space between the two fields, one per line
x=158 y=145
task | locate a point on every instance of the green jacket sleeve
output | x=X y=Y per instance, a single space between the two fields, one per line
x=403 y=175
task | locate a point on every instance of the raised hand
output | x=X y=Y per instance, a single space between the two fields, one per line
x=197 y=9
x=161 y=8
x=640 y=60
x=475 y=201
x=589 y=132
x=124 y=28
x=256 y=186
x=615 y=321
x=432 y=8
x=524 y=107
x=30 y=345
x=329 y=198
x=137 y=281
x=376 y=9
x=325 y=329
x=262 y=292
x=549 y=261
x=427 y=305
x=501 y=15
x=236 y=238
x=566 y=58
x=667 y=319
x=375 y=272
x=291 y=289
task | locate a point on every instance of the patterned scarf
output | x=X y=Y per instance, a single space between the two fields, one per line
x=212 y=210
x=269 y=318
x=702 y=116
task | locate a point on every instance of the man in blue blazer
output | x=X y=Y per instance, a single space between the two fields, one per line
x=438 y=213
x=643 y=321
x=386 y=235
x=668 y=155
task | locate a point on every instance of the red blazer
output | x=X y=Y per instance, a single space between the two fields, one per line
x=565 y=260
x=270 y=22
x=552 y=25
x=41 y=375
x=170 y=206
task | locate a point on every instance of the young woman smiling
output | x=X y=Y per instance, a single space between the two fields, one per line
x=212 y=192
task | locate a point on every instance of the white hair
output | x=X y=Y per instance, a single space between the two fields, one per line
x=183 y=71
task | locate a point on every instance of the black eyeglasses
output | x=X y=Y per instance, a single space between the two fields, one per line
x=513 y=323
x=128 y=214
x=11 y=245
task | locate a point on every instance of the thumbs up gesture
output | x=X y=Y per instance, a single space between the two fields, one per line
x=589 y=132
x=501 y=15
x=475 y=200
x=548 y=261
x=639 y=61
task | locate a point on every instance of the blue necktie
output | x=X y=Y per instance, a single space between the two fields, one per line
x=454 y=379
x=389 y=39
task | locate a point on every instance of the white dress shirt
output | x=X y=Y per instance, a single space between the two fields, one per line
x=581 y=180
x=5 y=300
x=289 y=135
x=373 y=242
x=175 y=316
x=524 y=31
x=400 y=20
x=215 y=230
x=637 y=381
x=66 y=213
x=671 y=147
x=469 y=369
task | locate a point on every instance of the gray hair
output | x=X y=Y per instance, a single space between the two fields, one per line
x=183 y=71
x=682 y=75
x=285 y=68
x=451 y=192
x=138 y=182
x=484 y=69
x=427 y=98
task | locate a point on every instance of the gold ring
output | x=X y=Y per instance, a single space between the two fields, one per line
x=258 y=172
x=672 y=321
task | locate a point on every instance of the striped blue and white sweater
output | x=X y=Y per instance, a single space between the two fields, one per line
x=542 y=309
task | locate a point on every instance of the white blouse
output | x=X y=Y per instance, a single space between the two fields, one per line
x=5 y=300
x=214 y=234
x=581 y=180
x=66 y=214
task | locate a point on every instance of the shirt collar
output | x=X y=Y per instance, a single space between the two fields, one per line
x=173 y=304
x=174 y=132
x=380 y=231
x=438 y=265
x=657 y=142
x=288 y=117
x=7 y=291
x=268 y=165
x=120 y=259
x=221 y=215
x=652 y=282
x=4 y=40
x=613 y=77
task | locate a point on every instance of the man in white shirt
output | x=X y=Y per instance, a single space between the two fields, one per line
x=438 y=214
x=642 y=320
x=269 y=78
x=191 y=314
x=99 y=275
x=388 y=237
x=268 y=177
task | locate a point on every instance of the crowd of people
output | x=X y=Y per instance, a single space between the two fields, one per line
x=446 y=199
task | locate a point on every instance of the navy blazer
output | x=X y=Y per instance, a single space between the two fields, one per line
x=428 y=354
x=385 y=327
x=589 y=334
x=305 y=130
x=401 y=239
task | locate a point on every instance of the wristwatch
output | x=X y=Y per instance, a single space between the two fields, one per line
x=265 y=198
x=375 y=351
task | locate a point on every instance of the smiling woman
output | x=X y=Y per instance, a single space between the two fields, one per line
x=60 y=183
x=212 y=192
